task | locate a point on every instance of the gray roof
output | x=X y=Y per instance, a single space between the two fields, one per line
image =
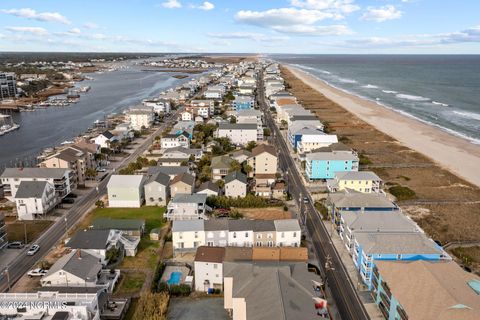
x=303 y=118
x=162 y=178
x=187 y=225
x=353 y=199
x=208 y=185
x=383 y=221
x=216 y=224
x=332 y=155
x=89 y=239
x=189 y=198
x=78 y=263
x=264 y=225
x=241 y=225
x=248 y=113
x=237 y=126
x=43 y=173
x=184 y=150
x=168 y=170
x=287 y=225
x=273 y=291
x=397 y=243
x=357 y=175
x=31 y=189
x=235 y=175
x=221 y=162
x=118 y=224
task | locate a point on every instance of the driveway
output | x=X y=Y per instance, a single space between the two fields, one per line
x=197 y=309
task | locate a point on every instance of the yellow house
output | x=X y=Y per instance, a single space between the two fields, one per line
x=361 y=181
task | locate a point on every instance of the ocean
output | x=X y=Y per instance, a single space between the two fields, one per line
x=441 y=90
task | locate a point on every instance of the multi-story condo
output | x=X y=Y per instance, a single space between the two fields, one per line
x=62 y=179
x=238 y=133
x=8 y=85
x=320 y=165
x=361 y=181
x=141 y=117
x=70 y=158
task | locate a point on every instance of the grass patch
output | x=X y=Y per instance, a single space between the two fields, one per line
x=16 y=230
x=402 y=193
x=146 y=256
x=364 y=160
x=153 y=216
x=131 y=283
x=470 y=256
x=322 y=210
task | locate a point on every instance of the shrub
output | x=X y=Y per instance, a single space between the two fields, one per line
x=180 y=290
x=157 y=276
x=402 y=193
x=249 y=201
x=322 y=210
x=152 y=306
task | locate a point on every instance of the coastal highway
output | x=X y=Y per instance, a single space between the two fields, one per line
x=22 y=263
x=336 y=276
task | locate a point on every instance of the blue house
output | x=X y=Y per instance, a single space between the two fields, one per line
x=243 y=103
x=425 y=290
x=324 y=165
x=370 y=247
x=296 y=132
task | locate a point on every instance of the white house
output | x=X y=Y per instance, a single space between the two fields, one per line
x=35 y=198
x=105 y=139
x=159 y=105
x=238 y=133
x=236 y=184
x=315 y=140
x=213 y=94
x=288 y=233
x=175 y=140
x=240 y=234
x=208 y=268
x=187 y=207
x=126 y=191
x=186 y=116
x=187 y=235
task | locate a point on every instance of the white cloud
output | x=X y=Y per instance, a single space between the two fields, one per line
x=90 y=25
x=282 y=17
x=74 y=31
x=381 y=14
x=259 y=37
x=39 y=16
x=206 y=6
x=330 y=30
x=32 y=30
x=171 y=4
x=343 y=6
x=419 y=40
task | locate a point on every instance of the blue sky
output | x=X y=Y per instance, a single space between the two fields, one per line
x=257 y=26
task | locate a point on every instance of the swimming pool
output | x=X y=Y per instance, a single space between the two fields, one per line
x=175 y=278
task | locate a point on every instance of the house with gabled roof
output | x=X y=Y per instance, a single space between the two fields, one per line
x=35 y=199
x=235 y=184
x=183 y=183
x=157 y=190
x=220 y=166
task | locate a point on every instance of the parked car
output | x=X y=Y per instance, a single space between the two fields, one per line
x=39 y=272
x=101 y=170
x=68 y=200
x=15 y=245
x=305 y=200
x=33 y=249
x=71 y=195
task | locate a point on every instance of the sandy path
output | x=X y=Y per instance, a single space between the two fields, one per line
x=453 y=153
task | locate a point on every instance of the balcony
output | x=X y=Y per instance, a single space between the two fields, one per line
x=386 y=288
x=403 y=315
x=383 y=310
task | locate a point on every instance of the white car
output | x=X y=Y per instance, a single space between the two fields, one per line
x=39 y=272
x=33 y=249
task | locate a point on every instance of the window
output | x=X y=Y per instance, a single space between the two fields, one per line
x=215 y=266
x=283 y=235
x=246 y=234
x=234 y=234
x=294 y=234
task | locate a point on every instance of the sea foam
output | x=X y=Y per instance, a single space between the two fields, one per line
x=468 y=115
x=412 y=97
x=370 y=86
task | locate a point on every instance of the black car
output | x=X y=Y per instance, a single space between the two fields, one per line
x=68 y=200
x=15 y=245
x=71 y=195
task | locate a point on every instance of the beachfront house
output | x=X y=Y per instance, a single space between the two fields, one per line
x=35 y=199
x=126 y=191
x=314 y=140
x=361 y=181
x=243 y=102
x=320 y=165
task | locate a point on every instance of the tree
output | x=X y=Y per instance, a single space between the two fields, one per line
x=220 y=183
x=266 y=132
x=233 y=119
x=152 y=163
x=235 y=166
x=100 y=204
x=247 y=168
x=251 y=145
x=91 y=173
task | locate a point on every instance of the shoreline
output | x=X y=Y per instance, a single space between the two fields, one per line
x=451 y=152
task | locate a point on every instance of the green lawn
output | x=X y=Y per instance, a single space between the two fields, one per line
x=131 y=283
x=153 y=215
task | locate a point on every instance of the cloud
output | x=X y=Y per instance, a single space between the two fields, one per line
x=39 y=16
x=74 y=31
x=282 y=17
x=470 y=35
x=171 y=4
x=32 y=30
x=90 y=25
x=330 y=30
x=343 y=6
x=259 y=37
x=206 y=6
x=382 y=14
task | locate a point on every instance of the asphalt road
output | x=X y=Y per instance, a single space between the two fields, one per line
x=23 y=263
x=343 y=290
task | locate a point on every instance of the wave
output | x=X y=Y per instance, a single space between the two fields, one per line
x=310 y=68
x=390 y=91
x=346 y=80
x=468 y=115
x=440 y=104
x=370 y=86
x=412 y=97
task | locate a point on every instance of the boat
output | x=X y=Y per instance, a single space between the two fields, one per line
x=67 y=142
x=7 y=127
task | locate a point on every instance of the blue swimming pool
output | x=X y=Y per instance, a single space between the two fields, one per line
x=175 y=278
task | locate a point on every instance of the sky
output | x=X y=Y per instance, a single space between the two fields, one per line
x=242 y=26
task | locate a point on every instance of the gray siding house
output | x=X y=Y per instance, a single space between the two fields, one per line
x=157 y=190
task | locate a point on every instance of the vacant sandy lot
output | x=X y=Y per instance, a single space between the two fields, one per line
x=275 y=213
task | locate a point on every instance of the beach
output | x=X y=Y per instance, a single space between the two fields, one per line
x=450 y=152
